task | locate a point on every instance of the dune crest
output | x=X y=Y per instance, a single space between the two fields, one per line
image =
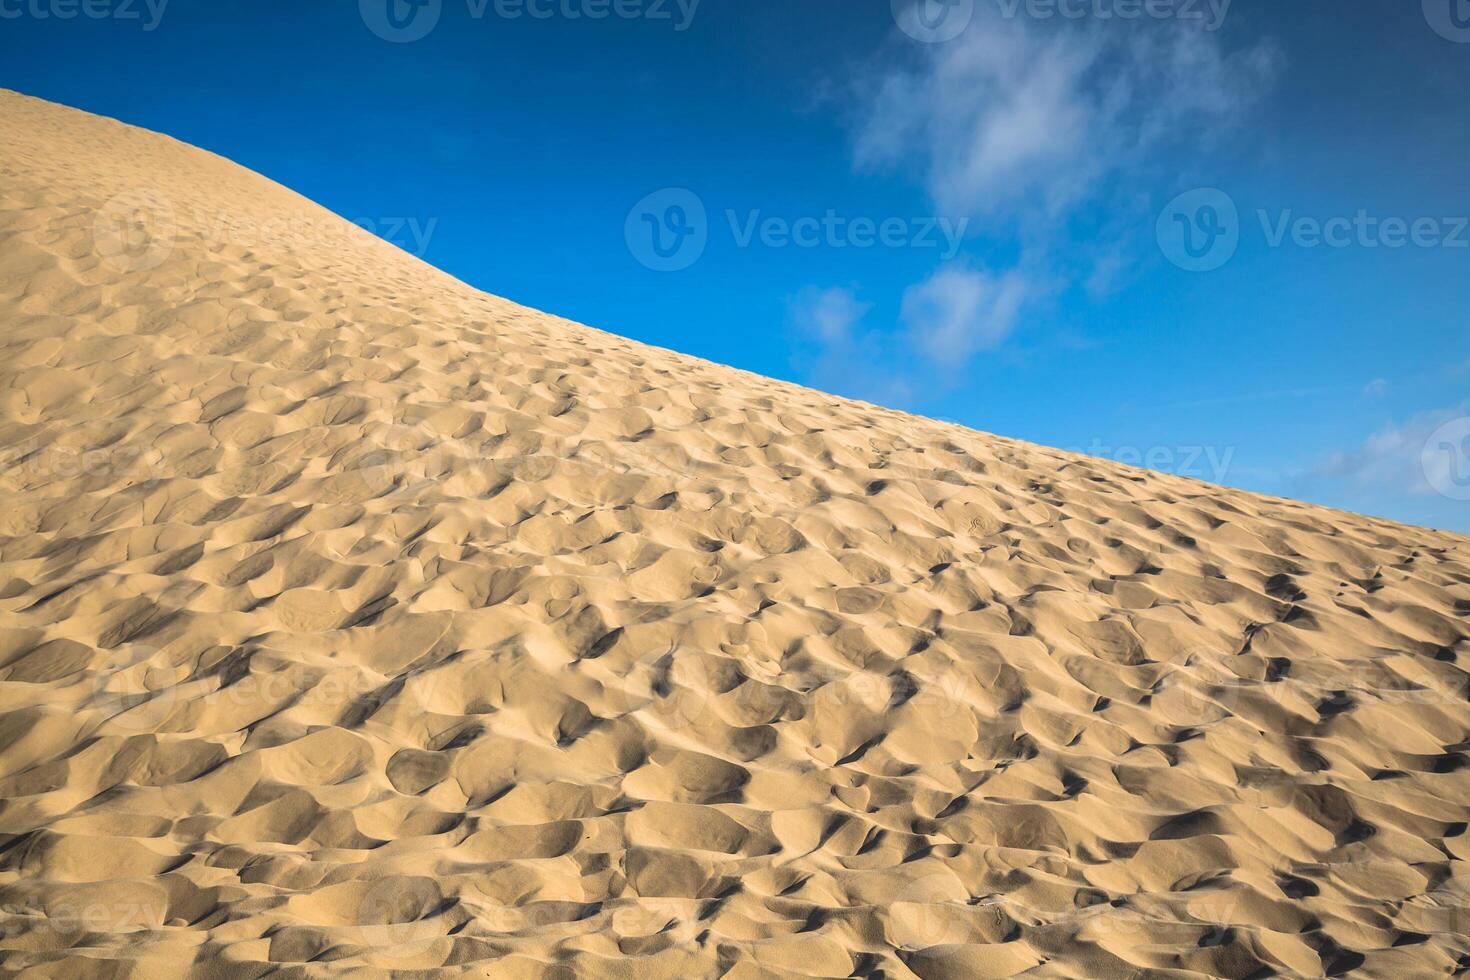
x=352 y=619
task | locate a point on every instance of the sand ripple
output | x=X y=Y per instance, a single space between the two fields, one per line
x=356 y=620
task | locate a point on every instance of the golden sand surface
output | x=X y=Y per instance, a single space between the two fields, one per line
x=356 y=622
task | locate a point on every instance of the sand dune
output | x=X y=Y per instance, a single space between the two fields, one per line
x=353 y=621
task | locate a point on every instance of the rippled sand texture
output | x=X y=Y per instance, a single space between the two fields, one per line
x=354 y=619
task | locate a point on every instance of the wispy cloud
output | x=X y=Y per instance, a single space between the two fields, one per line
x=847 y=358
x=1019 y=119
x=961 y=310
x=828 y=314
x=1047 y=137
x=1394 y=457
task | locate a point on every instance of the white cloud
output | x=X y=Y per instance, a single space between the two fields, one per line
x=1018 y=118
x=828 y=314
x=846 y=359
x=960 y=310
x=1393 y=457
x=1044 y=132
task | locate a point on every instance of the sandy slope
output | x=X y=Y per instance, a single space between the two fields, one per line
x=353 y=618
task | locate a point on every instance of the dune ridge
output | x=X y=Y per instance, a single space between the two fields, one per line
x=356 y=622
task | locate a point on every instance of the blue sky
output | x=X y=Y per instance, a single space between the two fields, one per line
x=1222 y=239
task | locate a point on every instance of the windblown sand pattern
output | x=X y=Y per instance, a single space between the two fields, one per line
x=356 y=620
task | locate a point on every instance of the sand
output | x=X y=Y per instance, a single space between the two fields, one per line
x=357 y=622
